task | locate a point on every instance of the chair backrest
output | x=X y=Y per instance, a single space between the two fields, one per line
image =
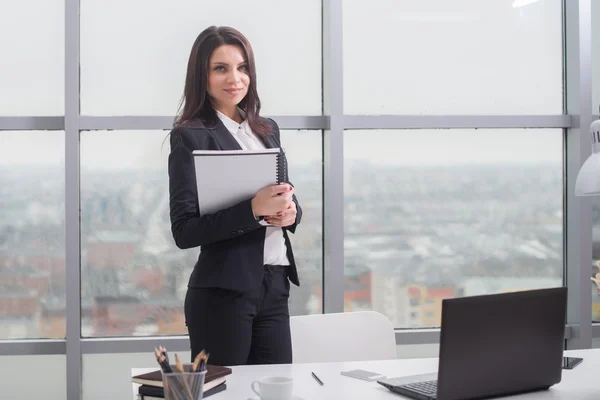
x=351 y=336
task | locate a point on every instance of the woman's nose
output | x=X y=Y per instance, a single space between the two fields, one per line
x=234 y=77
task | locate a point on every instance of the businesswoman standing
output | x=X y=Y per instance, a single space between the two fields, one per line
x=236 y=306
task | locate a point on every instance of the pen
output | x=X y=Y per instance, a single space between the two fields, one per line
x=317 y=378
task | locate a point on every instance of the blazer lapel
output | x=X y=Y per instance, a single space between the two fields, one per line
x=224 y=138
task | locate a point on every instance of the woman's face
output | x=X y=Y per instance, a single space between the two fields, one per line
x=228 y=77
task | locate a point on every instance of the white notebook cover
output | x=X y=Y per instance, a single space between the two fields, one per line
x=227 y=177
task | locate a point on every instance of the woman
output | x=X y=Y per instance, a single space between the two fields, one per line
x=236 y=306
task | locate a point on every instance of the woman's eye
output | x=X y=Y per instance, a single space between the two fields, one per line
x=244 y=68
x=219 y=68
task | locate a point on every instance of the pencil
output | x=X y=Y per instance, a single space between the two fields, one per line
x=179 y=367
x=203 y=358
x=166 y=368
x=162 y=361
x=196 y=363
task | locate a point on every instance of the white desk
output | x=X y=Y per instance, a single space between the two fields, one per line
x=581 y=383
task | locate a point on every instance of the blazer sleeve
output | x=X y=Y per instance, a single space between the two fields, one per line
x=189 y=228
x=291 y=228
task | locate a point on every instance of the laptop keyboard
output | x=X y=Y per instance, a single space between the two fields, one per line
x=427 y=388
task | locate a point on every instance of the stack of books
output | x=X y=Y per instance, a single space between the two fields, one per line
x=152 y=383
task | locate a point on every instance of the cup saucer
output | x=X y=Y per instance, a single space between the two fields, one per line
x=293 y=398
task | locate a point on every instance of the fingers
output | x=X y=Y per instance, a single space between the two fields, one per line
x=288 y=217
x=281 y=204
x=280 y=222
x=280 y=189
x=282 y=215
x=288 y=221
x=287 y=211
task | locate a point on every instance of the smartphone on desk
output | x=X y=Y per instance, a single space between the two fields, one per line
x=363 y=374
x=571 y=362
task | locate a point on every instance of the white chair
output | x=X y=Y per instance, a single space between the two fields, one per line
x=351 y=336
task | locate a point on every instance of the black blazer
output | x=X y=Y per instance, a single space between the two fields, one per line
x=232 y=240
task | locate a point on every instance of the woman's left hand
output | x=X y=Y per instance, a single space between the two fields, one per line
x=283 y=219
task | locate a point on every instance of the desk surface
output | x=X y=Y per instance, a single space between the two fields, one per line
x=581 y=383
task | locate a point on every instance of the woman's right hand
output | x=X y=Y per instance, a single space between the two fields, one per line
x=272 y=199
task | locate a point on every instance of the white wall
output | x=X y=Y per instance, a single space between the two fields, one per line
x=33 y=377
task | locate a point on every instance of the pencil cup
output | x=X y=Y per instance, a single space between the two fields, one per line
x=183 y=385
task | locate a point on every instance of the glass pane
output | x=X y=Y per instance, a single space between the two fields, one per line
x=595 y=267
x=452 y=57
x=432 y=214
x=32 y=235
x=32 y=44
x=138 y=65
x=50 y=372
x=304 y=153
x=134 y=278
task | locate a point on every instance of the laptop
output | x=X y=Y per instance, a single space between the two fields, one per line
x=494 y=345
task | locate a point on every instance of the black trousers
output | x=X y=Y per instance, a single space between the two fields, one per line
x=240 y=328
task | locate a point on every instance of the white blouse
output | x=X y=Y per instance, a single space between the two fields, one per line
x=275 y=250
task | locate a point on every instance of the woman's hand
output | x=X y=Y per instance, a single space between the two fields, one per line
x=272 y=200
x=283 y=219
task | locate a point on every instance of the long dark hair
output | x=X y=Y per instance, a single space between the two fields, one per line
x=195 y=103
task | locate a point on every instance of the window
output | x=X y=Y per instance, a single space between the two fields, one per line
x=33 y=52
x=450 y=213
x=134 y=278
x=303 y=150
x=32 y=230
x=137 y=67
x=452 y=57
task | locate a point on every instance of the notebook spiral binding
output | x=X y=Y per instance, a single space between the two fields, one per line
x=282 y=173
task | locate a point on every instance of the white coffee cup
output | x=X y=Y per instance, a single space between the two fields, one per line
x=273 y=388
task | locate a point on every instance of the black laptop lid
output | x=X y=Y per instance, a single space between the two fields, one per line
x=500 y=344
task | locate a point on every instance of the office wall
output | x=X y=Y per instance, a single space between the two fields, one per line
x=33 y=377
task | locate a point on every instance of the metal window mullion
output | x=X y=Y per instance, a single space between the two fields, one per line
x=578 y=232
x=455 y=121
x=304 y=122
x=32 y=123
x=133 y=344
x=141 y=122
x=72 y=240
x=333 y=158
x=19 y=347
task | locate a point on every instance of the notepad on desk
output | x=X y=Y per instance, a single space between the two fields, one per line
x=152 y=382
x=154 y=378
x=152 y=393
x=227 y=177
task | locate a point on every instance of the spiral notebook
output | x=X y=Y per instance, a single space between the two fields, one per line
x=227 y=177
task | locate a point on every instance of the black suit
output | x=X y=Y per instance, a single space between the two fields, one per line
x=235 y=305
